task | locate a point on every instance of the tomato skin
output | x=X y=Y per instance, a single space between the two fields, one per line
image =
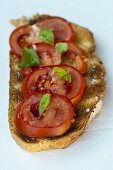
x=62 y=29
x=78 y=97
x=26 y=127
x=75 y=91
x=25 y=30
x=29 y=131
x=81 y=64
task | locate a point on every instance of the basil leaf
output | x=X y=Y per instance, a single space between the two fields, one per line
x=65 y=75
x=29 y=58
x=61 y=47
x=47 y=36
x=45 y=100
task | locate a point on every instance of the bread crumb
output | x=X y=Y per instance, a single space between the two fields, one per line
x=21 y=21
x=73 y=120
x=17 y=68
x=96 y=98
x=95 y=111
x=93 y=81
x=88 y=110
x=18 y=86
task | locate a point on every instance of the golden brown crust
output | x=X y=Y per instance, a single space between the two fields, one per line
x=94 y=96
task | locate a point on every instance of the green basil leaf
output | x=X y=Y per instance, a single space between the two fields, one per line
x=47 y=36
x=29 y=58
x=65 y=75
x=61 y=47
x=45 y=100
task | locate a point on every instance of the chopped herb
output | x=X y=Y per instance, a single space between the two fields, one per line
x=29 y=58
x=65 y=75
x=45 y=100
x=61 y=47
x=47 y=36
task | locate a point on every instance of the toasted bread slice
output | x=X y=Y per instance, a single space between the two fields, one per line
x=87 y=109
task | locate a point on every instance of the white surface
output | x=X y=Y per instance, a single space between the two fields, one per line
x=94 y=149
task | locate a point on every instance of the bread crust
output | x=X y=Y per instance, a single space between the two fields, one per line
x=87 y=109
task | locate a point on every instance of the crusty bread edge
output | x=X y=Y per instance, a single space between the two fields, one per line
x=95 y=111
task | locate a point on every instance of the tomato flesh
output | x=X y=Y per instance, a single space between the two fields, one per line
x=45 y=79
x=62 y=28
x=55 y=121
x=18 y=39
x=25 y=35
x=75 y=57
x=49 y=56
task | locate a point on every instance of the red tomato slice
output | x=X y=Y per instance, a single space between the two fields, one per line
x=27 y=70
x=75 y=57
x=18 y=39
x=46 y=80
x=56 y=120
x=62 y=28
x=47 y=55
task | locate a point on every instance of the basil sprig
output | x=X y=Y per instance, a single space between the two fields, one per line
x=45 y=100
x=61 y=47
x=47 y=36
x=29 y=58
x=65 y=75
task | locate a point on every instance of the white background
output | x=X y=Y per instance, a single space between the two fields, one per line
x=94 y=149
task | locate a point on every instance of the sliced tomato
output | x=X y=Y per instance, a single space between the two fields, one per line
x=27 y=70
x=62 y=28
x=75 y=57
x=45 y=79
x=56 y=120
x=21 y=37
x=47 y=55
